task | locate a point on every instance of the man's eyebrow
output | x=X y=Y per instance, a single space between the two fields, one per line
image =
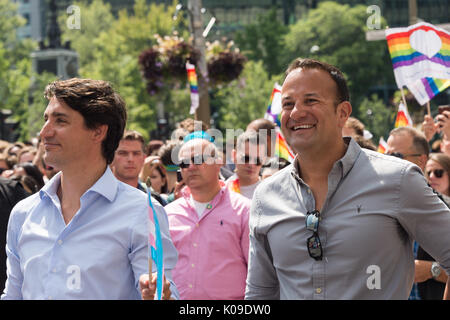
x=312 y=94
x=57 y=114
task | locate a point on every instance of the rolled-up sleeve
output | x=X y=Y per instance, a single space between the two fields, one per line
x=424 y=216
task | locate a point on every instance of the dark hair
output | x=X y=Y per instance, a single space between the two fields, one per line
x=132 y=135
x=335 y=74
x=153 y=147
x=33 y=172
x=161 y=170
x=98 y=103
x=168 y=153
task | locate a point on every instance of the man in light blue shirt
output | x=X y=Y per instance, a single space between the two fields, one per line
x=84 y=235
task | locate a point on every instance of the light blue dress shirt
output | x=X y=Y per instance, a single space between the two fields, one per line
x=99 y=254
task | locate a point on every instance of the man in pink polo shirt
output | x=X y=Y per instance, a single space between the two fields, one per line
x=209 y=228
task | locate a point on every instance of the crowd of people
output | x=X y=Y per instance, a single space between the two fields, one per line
x=237 y=222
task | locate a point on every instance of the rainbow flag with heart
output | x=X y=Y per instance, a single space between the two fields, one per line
x=420 y=56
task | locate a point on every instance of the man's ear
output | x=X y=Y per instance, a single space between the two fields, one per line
x=99 y=133
x=344 y=110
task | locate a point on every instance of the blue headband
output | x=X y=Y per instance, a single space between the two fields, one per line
x=198 y=135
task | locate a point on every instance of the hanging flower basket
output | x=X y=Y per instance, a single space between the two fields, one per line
x=165 y=63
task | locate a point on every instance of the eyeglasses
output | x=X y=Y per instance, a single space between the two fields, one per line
x=313 y=242
x=197 y=160
x=247 y=159
x=438 y=173
x=403 y=156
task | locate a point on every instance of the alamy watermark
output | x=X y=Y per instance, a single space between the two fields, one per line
x=73 y=22
x=373 y=22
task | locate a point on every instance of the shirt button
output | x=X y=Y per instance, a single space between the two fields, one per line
x=318 y=290
x=50 y=298
x=197 y=225
x=54 y=270
x=192 y=265
x=59 y=241
x=190 y=286
x=195 y=245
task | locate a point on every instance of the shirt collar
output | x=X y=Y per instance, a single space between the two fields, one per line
x=186 y=193
x=105 y=186
x=346 y=162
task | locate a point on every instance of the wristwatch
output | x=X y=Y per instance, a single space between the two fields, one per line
x=435 y=270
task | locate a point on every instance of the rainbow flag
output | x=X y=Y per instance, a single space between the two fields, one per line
x=426 y=88
x=419 y=51
x=193 y=84
x=274 y=108
x=403 y=118
x=382 y=146
x=155 y=244
x=282 y=149
x=235 y=186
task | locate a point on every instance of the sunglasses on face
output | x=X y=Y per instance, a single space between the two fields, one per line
x=403 y=156
x=197 y=160
x=313 y=243
x=438 y=173
x=249 y=160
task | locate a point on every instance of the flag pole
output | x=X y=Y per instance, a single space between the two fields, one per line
x=150 y=261
x=403 y=96
x=428 y=108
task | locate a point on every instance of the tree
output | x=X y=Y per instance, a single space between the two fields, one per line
x=115 y=50
x=263 y=40
x=377 y=117
x=15 y=64
x=245 y=99
x=335 y=33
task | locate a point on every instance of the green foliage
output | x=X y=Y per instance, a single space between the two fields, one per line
x=379 y=120
x=109 y=50
x=335 y=33
x=245 y=99
x=33 y=116
x=15 y=64
x=263 y=41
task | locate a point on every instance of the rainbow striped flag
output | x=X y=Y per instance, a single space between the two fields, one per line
x=282 y=149
x=235 y=186
x=426 y=88
x=419 y=51
x=193 y=84
x=274 y=108
x=156 y=248
x=382 y=146
x=403 y=118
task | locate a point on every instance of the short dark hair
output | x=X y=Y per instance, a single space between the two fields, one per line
x=132 y=135
x=98 y=103
x=334 y=72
